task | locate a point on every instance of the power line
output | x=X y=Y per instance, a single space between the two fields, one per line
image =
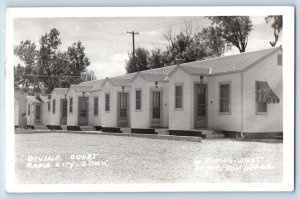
x=133 y=49
x=51 y=75
x=133 y=33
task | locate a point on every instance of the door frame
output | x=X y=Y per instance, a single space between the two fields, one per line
x=160 y=89
x=195 y=101
x=41 y=109
x=128 y=109
x=61 y=104
x=87 y=110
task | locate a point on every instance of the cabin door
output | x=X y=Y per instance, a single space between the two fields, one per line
x=200 y=105
x=83 y=107
x=38 y=113
x=63 y=111
x=156 y=108
x=123 y=110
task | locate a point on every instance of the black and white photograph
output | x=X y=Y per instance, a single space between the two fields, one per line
x=149 y=99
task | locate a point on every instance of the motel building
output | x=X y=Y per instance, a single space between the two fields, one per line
x=37 y=114
x=232 y=96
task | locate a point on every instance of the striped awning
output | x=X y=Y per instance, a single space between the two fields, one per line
x=264 y=93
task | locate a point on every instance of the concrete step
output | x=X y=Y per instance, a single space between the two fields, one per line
x=40 y=127
x=215 y=135
x=125 y=130
x=87 y=128
x=162 y=131
x=211 y=133
x=64 y=127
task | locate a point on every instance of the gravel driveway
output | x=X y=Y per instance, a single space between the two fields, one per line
x=78 y=158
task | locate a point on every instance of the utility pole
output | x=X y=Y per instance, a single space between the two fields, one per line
x=133 y=49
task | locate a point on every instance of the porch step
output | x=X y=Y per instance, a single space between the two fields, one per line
x=162 y=131
x=87 y=128
x=209 y=133
x=126 y=130
x=64 y=127
x=40 y=127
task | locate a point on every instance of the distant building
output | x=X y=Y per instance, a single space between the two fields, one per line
x=20 y=107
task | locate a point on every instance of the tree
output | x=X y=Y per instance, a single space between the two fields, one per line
x=193 y=46
x=156 y=59
x=233 y=29
x=48 y=67
x=26 y=76
x=215 y=45
x=77 y=59
x=89 y=75
x=139 y=62
x=276 y=24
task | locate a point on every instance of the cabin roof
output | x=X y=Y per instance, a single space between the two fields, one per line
x=36 y=99
x=60 y=91
x=92 y=83
x=213 y=66
x=81 y=88
x=227 y=64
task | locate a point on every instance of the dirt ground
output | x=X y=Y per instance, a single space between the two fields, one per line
x=78 y=158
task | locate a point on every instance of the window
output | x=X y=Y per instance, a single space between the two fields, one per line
x=96 y=99
x=71 y=105
x=49 y=106
x=138 y=100
x=279 y=59
x=53 y=106
x=225 y=98
x=261 y=107
x=28 y=109
x=178 y=96
x=107 y=100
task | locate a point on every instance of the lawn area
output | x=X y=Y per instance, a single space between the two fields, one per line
x=121 y=159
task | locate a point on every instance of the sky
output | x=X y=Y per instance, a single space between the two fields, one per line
x=107 y=42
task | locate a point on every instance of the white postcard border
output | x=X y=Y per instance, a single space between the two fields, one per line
x=288 y=95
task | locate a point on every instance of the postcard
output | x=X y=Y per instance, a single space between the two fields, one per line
x=149 y=99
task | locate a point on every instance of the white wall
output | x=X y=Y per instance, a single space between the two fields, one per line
x=55 y=117
x=96 y=120
x=91 y=109
x=45 y=114
x=109 y=118
x=20 y=97
x=73 y=117
x=31 y=118
x=268 y=71
x=181 y=119
x=165 y=87
x=232 y=121
x=141 y=118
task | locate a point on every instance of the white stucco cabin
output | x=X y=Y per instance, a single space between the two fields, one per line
x=37 y=114
x=57 y=108
x=79 y=106
x=237 y=94
x=150 y=103
x=116 y=102
x=95 y=102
